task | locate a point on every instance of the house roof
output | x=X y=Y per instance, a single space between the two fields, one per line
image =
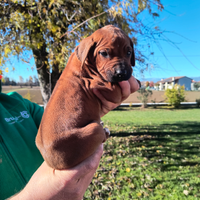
x=170 y=79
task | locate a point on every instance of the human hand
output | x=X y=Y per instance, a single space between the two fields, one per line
x=127 y=87
x=48 y=183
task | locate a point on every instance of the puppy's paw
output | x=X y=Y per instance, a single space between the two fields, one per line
x=107 y=132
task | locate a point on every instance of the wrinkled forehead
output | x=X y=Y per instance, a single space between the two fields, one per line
x=112 y=37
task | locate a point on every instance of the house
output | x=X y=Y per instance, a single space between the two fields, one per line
x=170 y=82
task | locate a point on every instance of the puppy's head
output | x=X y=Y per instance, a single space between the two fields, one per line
x=110 y=51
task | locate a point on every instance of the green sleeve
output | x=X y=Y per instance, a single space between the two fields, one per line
x=35 y=110
x=19 y=156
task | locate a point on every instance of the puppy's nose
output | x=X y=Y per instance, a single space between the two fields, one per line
x=120 y=73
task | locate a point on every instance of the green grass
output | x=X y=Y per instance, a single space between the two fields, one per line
x=151 y=154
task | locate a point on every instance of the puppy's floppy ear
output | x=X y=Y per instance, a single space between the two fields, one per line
x=133 y=55
x=133 y=58
x=83 y=49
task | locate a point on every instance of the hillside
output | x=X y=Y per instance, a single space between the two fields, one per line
x=158 y=97
x=34 y=95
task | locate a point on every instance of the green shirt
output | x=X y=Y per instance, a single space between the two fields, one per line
x=19 y=157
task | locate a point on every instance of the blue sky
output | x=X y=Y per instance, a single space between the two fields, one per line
x=181 y=18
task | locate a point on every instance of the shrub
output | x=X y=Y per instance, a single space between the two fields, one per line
x=176 y=95
x=154 y=102
x=198 y=102
x=144 y=95
x=196 y=85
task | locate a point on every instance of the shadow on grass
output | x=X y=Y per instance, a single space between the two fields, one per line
x=187 y=128
x=157 y=107
x=179 y=142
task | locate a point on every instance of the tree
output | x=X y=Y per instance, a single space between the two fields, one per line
x=146 y=83
x=151 y=84
x=197 y=85
x=144 y=96
x=13 y=82
x=21 y=81
x=176 y=95
x=7 y=81
x=49 y=30
x=30 y=81
x=36 y=82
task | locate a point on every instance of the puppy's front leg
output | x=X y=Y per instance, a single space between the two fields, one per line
x=72 y=147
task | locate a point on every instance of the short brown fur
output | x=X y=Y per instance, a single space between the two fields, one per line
x=70 y=129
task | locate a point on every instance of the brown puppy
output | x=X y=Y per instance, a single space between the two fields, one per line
x=70 y=130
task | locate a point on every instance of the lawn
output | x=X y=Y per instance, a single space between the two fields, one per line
x=151 y=154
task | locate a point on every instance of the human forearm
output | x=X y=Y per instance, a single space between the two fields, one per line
x=48 y=183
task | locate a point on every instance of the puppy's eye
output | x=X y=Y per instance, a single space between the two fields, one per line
x=129 y=53
x=103 y=53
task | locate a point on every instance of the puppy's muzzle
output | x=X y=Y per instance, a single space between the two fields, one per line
x=121 y=72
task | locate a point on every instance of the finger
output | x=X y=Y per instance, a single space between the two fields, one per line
x=134 y=84
x=90 y=167
x=125 y=89
x=93 y=161
x=87 y=166
x=129 y=87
